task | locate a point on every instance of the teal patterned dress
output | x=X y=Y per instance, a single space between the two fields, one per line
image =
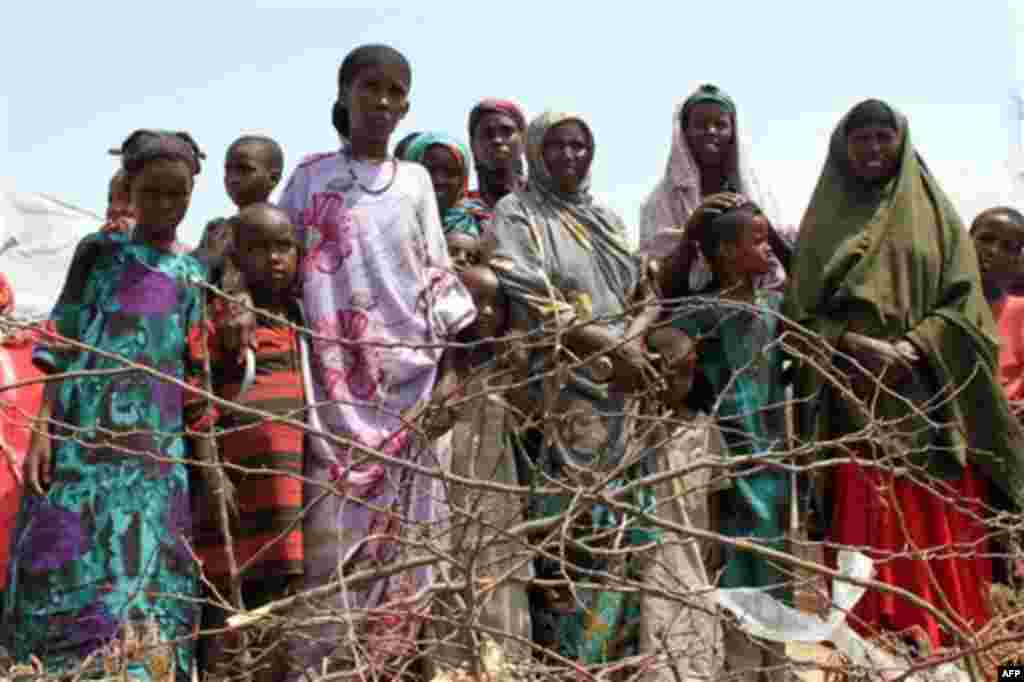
x=743 y=387
x=108 y=545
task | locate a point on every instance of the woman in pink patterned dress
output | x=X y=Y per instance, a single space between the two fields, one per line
x=382 y=300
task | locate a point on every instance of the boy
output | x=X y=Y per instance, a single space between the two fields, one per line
x=679 y=440
x=998 y=235
x=740 y=382
x=267 y=530
x=480 y=452
x=252 y=169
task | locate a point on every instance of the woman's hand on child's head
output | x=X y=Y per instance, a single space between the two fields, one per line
x=715 y=204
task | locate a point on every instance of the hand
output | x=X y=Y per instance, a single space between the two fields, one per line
x=894 y=361
x=715 y=203
x=237 y=326
x=39 y=461
x=633 y=370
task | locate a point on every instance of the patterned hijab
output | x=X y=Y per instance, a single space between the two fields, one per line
x=465 y=215
x=552 y=215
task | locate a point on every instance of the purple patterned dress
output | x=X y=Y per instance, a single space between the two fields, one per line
x=381 y=299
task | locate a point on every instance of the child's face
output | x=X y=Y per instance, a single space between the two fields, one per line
x=248 y=177
x=490 y=306
x=677 y=363
x=267 y=251
x=160 y=194
x=445 y=174
x=999 y=243
x=753 y=252
x=119 y=197
x=464 y=250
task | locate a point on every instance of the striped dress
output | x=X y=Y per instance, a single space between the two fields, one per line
x=266 y=457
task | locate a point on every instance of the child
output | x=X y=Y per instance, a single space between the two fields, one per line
x=102 y=546
x=740 y=383
x=252 y=169
x=480 y=452
x=120 y=217
x=679 y=440
x=269 y=501
x=998 y=235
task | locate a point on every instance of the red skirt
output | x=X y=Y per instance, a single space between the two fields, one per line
x=927 y=543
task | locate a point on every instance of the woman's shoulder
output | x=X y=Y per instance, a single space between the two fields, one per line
x=311 y=162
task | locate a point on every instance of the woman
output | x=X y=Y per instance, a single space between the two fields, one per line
x=496 y=134
x=379 y=293
x=563 y=260
x=447 y=161
x=706 y=159
x=885 y=274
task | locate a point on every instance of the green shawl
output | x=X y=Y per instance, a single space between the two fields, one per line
x=895 y=262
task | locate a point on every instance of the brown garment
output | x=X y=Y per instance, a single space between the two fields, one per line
x=480 y=451
x=684 y=629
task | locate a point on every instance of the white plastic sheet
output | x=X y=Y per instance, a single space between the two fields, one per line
x=38 y=235
x=760 y=615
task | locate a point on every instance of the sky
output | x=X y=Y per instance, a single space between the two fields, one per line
x=77 y=81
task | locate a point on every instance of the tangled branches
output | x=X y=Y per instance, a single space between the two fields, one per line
x=636 y=546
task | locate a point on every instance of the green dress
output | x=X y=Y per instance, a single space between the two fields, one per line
x=108 y=545
x=742 y=367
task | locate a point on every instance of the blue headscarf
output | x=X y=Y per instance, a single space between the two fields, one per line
x=467 y=214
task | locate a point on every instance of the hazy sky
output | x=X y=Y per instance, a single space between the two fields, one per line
x=78 y=80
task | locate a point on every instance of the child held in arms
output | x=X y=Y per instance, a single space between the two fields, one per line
x=252 y=169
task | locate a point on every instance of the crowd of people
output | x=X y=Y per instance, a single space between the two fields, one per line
x=311 y=392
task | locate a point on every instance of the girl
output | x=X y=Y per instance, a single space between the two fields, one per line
x=380 y=295
x=101 y=549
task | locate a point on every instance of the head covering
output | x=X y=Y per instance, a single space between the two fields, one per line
x=868 y=113
x=354 y=62
x=707 y=93
x=145 y=145
x=596 y=229
x=678 y=194
x=499 y=106
x=403 y=145
x=563 y=252
x=465 y=215
x=894 y=261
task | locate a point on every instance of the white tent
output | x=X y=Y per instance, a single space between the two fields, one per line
x=38 y=235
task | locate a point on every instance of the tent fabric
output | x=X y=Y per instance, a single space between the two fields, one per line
x=38 y=234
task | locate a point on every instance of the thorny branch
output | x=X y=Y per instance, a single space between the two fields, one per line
x=486 y=543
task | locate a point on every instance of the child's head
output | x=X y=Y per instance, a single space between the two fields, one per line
x=448 y=162
x=998 y=235
x=367 y=75
x=266 y=251
x=735 y=242
x=119 y=198
x=676 y=360
x=252 y=168
x=489 y=298
x=160 y=167
x=463 y=248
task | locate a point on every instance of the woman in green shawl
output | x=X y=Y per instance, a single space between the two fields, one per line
x=886 y=277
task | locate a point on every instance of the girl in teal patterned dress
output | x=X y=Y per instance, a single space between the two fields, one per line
x=101 y=551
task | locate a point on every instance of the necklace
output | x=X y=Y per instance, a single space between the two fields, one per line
x=355 y=179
